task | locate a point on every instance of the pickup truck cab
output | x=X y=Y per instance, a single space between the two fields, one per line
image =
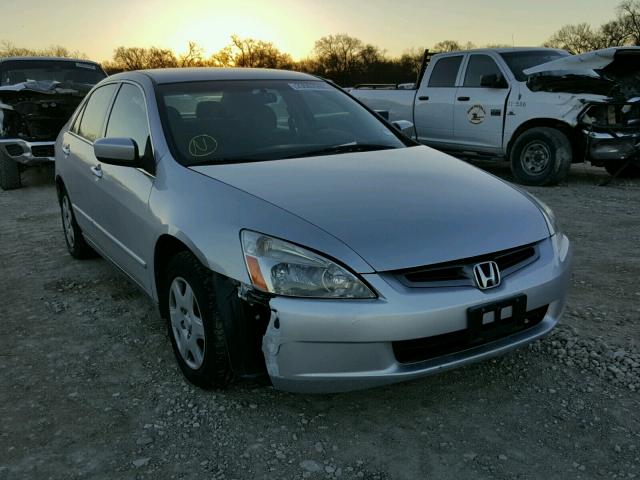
x=486 y=103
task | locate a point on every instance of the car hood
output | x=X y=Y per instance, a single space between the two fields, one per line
x=395 y=208
x=613 y=72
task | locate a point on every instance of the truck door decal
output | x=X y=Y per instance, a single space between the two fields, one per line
x=476 y=114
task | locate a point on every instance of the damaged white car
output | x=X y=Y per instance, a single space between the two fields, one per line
x=541 y=109
x=37 y=97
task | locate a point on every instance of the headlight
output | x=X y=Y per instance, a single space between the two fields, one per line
x=607 y=115
x=282 y=268
x=549 y=216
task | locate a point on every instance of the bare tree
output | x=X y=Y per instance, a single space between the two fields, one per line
x=338 y=55
x=194 y=56
x=575 y=39
x=251 y=53
x=629 y=16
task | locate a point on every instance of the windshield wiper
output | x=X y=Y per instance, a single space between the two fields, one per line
x=344 y=148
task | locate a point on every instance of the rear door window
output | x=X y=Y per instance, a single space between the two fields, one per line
x=445 y=72
x=92 y=124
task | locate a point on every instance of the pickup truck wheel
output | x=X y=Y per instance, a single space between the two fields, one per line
x=194 y=322
x=76 y=244
x=630 y=171
x=9 y=173
x=541 y=156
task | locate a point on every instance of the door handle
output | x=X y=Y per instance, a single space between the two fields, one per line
x=463 y=99
x=66 y=149
x=423 y=99
x=97 y=171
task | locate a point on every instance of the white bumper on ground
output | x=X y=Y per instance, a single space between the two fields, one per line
x=341 y=345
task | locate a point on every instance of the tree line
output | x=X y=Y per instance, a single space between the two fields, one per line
x=342 y=58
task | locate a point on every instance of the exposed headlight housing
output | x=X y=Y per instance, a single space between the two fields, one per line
x=282 y=268
x=611 y=115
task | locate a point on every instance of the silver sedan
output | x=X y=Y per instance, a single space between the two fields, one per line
x=284 y=228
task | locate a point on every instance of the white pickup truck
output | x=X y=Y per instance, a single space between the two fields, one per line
x=541 y=109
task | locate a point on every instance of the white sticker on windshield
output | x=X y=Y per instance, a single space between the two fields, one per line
x=86 y=65
x=310 y=86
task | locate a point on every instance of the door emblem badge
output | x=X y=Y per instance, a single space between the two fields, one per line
x=476 y=114
x=486 y=275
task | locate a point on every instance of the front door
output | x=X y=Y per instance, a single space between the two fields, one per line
x=122 y=193
x=479 y=110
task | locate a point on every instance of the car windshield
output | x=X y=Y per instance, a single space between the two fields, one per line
x=68 y=73
x=520 y=61
x=241 y=121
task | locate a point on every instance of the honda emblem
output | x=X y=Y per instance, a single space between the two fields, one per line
x=487 y=275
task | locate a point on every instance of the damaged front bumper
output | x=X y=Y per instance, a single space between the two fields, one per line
x=321 y=346
x=28 y=153
x=611 y=145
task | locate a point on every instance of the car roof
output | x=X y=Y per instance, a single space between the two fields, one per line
x=505 y=50
x=179 y=75
x=62 y=59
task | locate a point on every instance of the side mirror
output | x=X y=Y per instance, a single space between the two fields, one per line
x=493 y=81
x=405 y=127
x=117 y=151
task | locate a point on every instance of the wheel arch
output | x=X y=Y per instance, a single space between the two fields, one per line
x=59 y=187
x=572 y=134
x=168 y=245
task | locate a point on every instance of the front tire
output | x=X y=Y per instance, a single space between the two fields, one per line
x=76 y=244
x=194 y=322
x=9 y=173
x=541 y=156
x=613 y=167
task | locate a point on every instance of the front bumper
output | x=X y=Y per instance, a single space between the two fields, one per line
x=604 y=146
x=28 y=153
x=321 y=346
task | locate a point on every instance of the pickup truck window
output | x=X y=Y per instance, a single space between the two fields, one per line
x=259 y=120
x=520 y=61
x=445 y=72
x=95 y=112
x=479 y=66
x=70 y=74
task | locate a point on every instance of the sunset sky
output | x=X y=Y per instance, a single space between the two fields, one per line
x=96 y=27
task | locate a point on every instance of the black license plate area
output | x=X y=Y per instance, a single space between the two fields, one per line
x=496 y=319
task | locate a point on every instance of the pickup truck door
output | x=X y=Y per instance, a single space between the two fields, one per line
x=434 y=103
x=122 y=193
x=479 y=107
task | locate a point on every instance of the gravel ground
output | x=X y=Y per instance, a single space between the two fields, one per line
x=89 y=387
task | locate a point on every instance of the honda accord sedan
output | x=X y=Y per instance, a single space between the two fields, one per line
x=284 y=228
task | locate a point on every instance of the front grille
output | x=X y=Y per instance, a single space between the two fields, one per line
x=460 y=272
x=14 y=150
x=43 y=151
x=421 y=349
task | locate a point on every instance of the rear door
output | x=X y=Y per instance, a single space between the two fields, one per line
x=479 y=111
x=77 y=147
x=121 y=194
x=434 y=102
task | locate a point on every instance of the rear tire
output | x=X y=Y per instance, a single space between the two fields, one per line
x=76 y=244
x=9 y=173
x=541 y=156
x=630 y=171
x=194 y=322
